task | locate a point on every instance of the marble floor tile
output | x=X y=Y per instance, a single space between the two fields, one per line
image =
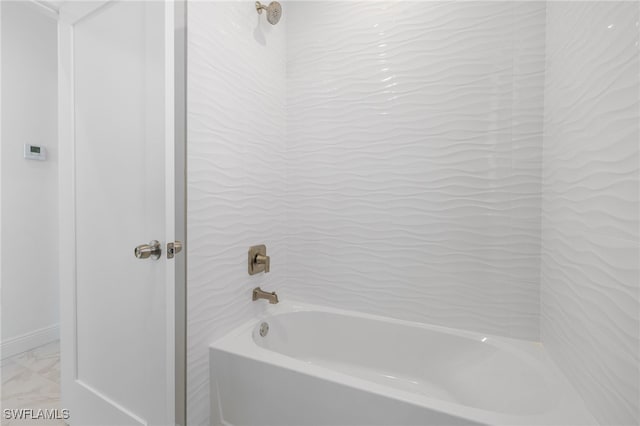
x=32 y=380
x=44 y=360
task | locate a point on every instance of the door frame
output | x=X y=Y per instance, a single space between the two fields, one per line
x=180 y=124
x=176 y=338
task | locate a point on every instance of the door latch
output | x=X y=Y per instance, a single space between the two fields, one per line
x=173 y=249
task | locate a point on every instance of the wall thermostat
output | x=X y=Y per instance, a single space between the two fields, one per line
x=35 y=152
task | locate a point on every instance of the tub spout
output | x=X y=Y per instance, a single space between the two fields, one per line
x=259 y=294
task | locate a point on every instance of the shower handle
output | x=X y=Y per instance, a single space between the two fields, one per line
x=258 y=260
x=262 y=259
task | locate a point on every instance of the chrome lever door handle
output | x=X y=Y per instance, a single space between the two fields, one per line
x=152 y=250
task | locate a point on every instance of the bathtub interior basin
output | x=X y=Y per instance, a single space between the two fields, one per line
x=298 y=357
x=474 y=371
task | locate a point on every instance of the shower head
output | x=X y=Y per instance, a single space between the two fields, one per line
x=274 y=11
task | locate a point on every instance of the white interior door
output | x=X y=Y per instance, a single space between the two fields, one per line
x=117 y=192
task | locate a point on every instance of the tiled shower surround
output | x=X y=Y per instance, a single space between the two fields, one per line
x=590 y=234
x=431 y=161
x=414 y=143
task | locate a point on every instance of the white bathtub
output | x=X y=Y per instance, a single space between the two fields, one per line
x=319 y=366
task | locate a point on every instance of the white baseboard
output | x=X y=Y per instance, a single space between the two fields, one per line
x=19 y=344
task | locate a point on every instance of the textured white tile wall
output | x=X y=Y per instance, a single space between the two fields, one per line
x=414 y=136
x=236 y=174
x=411 y=134
x=590 y=228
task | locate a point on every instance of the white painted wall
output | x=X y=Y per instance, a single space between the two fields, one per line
x=414 y=138
x=590 y=228
x=236 y=174
x=29 y=188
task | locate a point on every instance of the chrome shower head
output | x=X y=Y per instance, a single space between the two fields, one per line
x=274 y=11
